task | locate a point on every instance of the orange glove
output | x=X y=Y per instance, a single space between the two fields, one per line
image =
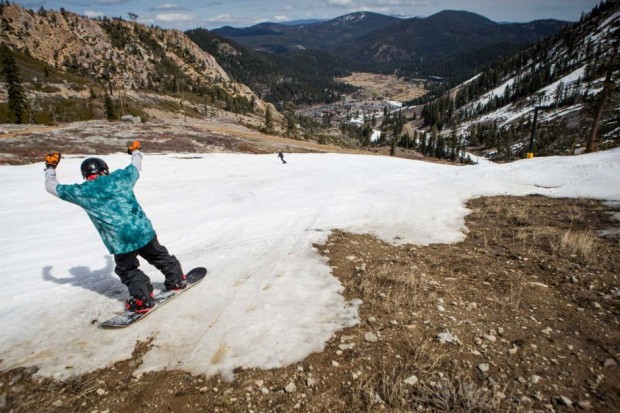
x=135 y=146
x=52 y=159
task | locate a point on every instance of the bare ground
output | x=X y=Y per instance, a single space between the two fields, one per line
x=390 y=87
x=521 y=316
x=23 y=144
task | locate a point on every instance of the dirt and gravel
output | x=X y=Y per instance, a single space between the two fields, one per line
x=377 y=85
x=24 y=144
x=520 y=316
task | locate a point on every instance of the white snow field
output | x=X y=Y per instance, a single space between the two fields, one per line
x=269 y=298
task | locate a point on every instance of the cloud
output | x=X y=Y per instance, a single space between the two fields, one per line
x=108 y=2
x=174 y=17
x=340 y=3
x=280 y=18
x=166 y=6
x=367 y=4
x=93 y=14
x=226 y=19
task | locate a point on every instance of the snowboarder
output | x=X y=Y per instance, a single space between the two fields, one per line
x=111 y=205
x=281 y=156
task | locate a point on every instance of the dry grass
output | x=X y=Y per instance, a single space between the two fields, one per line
x=388 y=389
x=458 y=395
x=392 y=289
x=517 y=216
x=517 y=284
x=581 y=245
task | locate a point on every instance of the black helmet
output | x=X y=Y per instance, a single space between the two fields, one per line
x=94 y=166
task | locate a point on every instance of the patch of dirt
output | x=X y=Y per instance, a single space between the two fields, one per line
x=24 y=144
x=521 y=316
x=376 y=85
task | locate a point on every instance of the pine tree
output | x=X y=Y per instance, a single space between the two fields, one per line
x=15 y=91
x=268 y=119
x=289 y=115
x=608 y=87
x=110 y=110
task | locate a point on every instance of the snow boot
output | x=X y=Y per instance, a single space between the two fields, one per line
x=141 y=304
x=176 y=285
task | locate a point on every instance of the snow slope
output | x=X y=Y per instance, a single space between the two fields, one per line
x=269 y=299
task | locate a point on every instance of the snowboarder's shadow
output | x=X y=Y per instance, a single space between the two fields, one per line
x=102 y=281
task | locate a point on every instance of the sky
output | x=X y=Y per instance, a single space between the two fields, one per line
x=210 y=14
x=252 y=221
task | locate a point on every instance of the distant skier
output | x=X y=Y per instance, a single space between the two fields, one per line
x=111 y=205
x=281 y=156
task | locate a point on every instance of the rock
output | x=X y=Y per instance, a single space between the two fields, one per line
x=100 y=392
x=597 y=305
x=525 y=400
x=610 y=362
x=411 y=380
x=371 y=337
x=547 y=330
x=445 y=337
x=290 y=388
x=311 y=382
x=490 y=337
x=534 y=379
x=132 y=119
x=564 y=401
x=57 y=403
x=204 y=389
x=483 y=367
x=264 y=390
x=372 y=320
x=441 y=308
x=335 y=363
x=584 y=404
x=348 y=346
x=472 y=306
x=259 y=383
x=513 y=350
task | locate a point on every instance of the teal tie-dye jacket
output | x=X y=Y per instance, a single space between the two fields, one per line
x=113 y=208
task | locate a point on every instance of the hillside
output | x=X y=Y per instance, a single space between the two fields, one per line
x=302 y=77
x=64 y=55
x=566 y=76
x=370 y=41
x=325 y=35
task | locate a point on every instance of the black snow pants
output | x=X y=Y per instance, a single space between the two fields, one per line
x=138 y=283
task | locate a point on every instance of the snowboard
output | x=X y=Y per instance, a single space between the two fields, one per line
x=128 y=317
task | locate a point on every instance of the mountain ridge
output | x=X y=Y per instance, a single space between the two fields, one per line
x=375 y=42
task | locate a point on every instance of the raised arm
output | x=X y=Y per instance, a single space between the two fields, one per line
x=136 y=155
x=51 y=162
